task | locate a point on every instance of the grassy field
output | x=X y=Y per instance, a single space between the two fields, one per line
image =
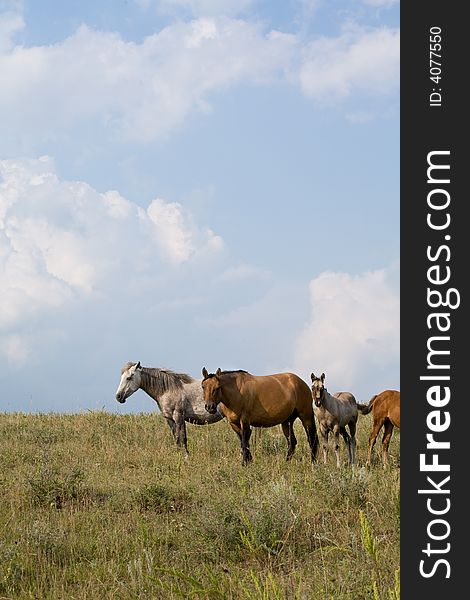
x=99 y=505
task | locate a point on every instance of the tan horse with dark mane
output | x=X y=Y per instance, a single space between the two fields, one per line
x=385 y=409
x=261 y=401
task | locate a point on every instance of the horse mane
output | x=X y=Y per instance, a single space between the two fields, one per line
x=127 y=366
x=228 y=373
x=161 y=380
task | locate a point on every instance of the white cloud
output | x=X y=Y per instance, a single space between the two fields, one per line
x=140 y=92
x=357 y=61
x=353 y=330
x=133 y=91
x=10 y=23
x=62 y=242
x=177 y=237
x=174 y=239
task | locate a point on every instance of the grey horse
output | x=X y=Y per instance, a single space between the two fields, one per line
x=334 y=412
x=178 y=395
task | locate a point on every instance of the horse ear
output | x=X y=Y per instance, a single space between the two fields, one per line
x=138 y=366
x=218 y=372
x=312 y=377
x=205 y=374
x=323 y=377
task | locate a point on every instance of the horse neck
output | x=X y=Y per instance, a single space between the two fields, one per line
x=328 y=400
x=231 y=392
x=155 y=383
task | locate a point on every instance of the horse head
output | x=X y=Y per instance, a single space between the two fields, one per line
x=131 y=376
x=318 y=388
x=212 y=389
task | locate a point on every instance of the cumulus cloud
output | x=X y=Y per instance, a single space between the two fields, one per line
x=353 y=330
x=175 y=235
x=135 y=91
x=10 y=23
x=143 y=91
x=365 y=61
x=62 y=241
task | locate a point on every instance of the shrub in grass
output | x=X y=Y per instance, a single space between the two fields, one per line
x=51 y=488
x=160 y=499
x=342 y=487
x=269 y=519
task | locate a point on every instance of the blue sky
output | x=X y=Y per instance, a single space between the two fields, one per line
x=196 y=183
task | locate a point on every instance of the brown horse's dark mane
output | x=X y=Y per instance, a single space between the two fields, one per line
x=227 y=373
x=235 y=371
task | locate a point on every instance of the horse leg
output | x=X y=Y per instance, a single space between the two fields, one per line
x=336 y=431
x=324 y=431
x=246 y=434
x=307 y=419
x=388 y=430
x=175 y=419
x=347 y=441
x=180 y=431
x=237 y=429
x=293 y=439
x=375 y=431
x=312 y=437
x=171 y=425
x=181 y=436
x=352 y=431
x=288 y=431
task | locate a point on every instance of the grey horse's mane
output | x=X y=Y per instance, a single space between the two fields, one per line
x=161 y=380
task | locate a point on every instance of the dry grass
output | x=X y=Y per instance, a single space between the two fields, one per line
x=103 y=506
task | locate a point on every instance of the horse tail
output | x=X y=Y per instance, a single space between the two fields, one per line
x=366 y=408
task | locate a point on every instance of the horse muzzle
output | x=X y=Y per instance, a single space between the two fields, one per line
x=211 y=408
x=121 y=399
x=318 y=402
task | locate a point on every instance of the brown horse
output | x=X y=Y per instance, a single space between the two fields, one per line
x=385 y=409
x=261 y=401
